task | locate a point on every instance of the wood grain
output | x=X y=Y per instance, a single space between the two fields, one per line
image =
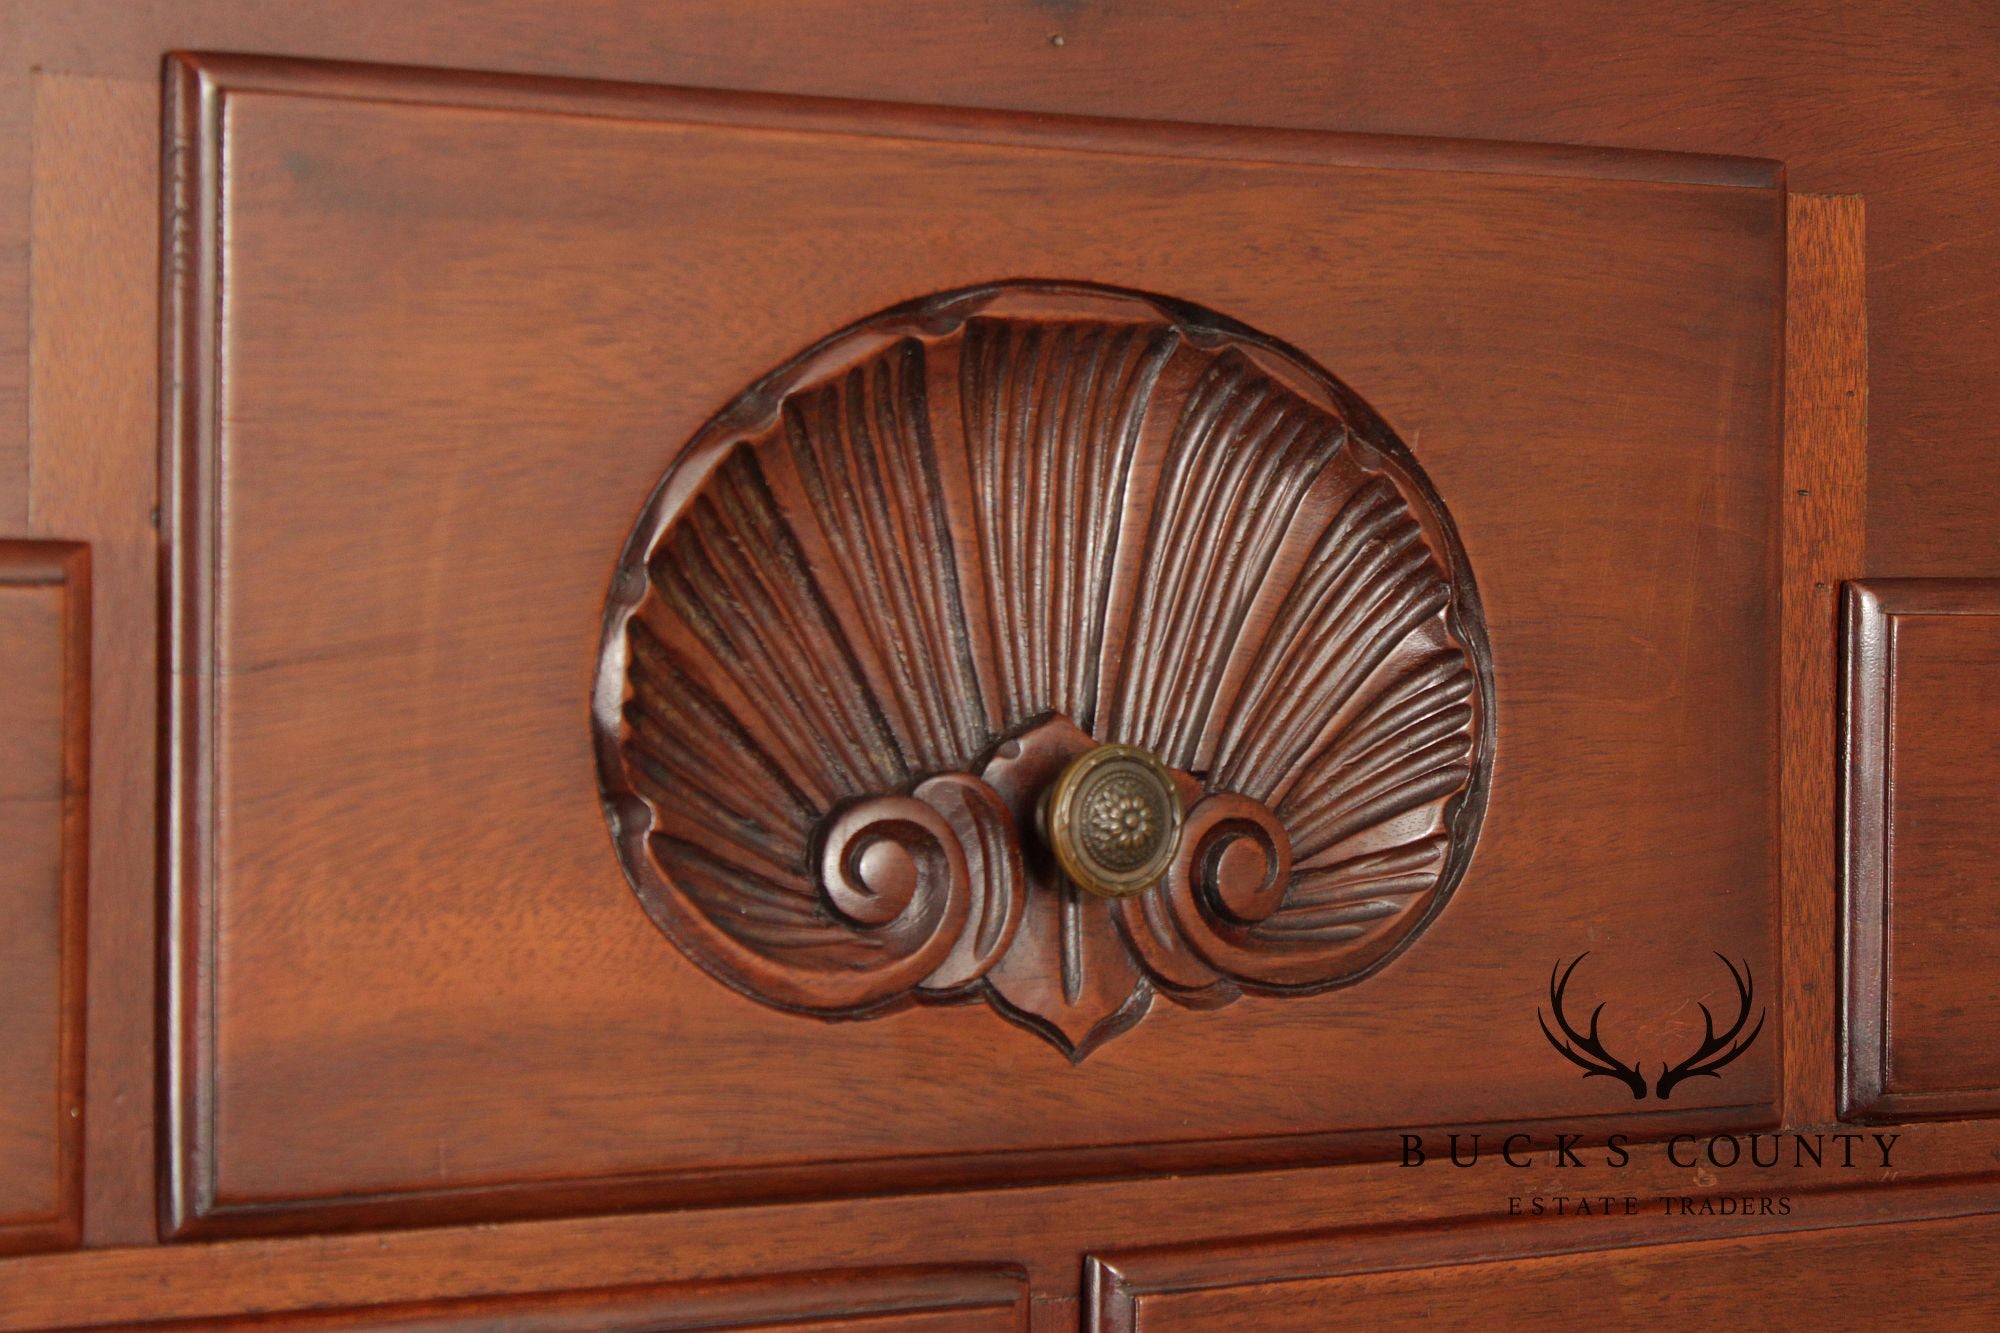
x=1922 y=1032
x=16 y=157
x=1640 y=1267
x=44 y=848
x=1690 y=75
x=941 y=1300
x=96 y=433
x=1826 y=443
x=1042 y=1228
x=990 y=516
x=479 y=353
x=1777 y=81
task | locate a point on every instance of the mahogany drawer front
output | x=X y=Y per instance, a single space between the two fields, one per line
x=428 y=394
x=1837 y=1277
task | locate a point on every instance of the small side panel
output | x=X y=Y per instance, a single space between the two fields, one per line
x=44 y=719
x=1922 y=1021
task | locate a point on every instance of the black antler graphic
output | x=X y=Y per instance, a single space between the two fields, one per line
x=1595 y=1060
x=1716 y=1051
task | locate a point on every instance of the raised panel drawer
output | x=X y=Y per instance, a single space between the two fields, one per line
x=425 y=395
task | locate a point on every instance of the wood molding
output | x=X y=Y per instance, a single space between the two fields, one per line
x=44 y=850
x=431 y=86
x=1042 y=1228
x=917 y=1300
x=1922 y=731
x=190 y=211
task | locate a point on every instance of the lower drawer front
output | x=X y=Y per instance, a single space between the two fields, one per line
x=1937 y=1273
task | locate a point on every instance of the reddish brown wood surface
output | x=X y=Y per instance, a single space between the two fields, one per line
x=1826 y=442
x=479 y=353
x=96 y=428
x=1795 y=1274
x=1046 y=1229
x=904 y=592
x=1923 y=743
x=44 y=784
x=79 y=233
x=941 y=1300
x=1778 y=80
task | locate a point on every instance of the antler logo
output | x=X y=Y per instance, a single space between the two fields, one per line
x=1586 y=1050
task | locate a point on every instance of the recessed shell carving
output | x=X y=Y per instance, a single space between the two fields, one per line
x=884 y=598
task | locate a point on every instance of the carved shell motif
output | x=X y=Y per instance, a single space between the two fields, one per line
x=887 y=596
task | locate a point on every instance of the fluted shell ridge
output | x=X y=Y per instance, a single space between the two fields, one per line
x=959 y=519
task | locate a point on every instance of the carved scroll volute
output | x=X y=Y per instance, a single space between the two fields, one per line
x=1048 y=645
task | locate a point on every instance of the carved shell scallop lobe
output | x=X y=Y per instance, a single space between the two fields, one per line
x=883 y=597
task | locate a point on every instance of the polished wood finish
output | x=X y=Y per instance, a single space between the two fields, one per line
x=901 y=597
x=1786 y=1272
x=1825 y=494
x=1046 y=1229
x=80 y=238
x=414 y=648
x=1921 y=1027
x=79 y=99
x=96 y=433
x=1780 y=81
x=971 y=1300
x=44 y=848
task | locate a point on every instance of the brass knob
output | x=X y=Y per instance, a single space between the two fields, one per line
x=1113 y=820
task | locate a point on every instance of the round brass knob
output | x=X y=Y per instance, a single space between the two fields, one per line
x=1113 y=820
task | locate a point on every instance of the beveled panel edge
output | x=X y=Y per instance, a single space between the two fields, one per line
x=37 y=563
x=761 y=1187
x=1868 y=668
x=430 y=86
x=992 y=1295
x=190 y=187
x=195 y=88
